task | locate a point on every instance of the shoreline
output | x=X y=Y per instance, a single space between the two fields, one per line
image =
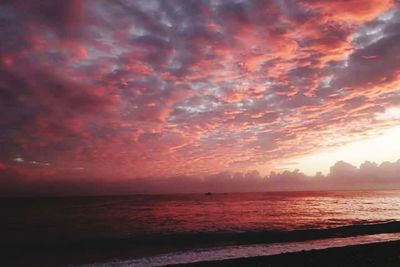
x=79 y=252
x=371 y=255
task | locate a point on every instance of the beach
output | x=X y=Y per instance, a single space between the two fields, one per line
x=367 y=255
x=371 y=255
x=352 y=245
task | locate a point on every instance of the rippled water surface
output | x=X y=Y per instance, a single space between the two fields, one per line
x=121 y=216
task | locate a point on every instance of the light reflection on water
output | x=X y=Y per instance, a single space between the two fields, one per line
x=127 y=216
x=243 y=251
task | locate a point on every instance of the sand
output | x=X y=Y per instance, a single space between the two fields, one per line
x=371 y=255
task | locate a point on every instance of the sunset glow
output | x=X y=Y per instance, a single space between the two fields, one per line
x=376 y=148
x=104 y=92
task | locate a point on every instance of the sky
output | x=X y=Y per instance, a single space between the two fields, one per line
x=105 y=93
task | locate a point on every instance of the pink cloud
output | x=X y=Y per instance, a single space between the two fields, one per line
x=187 y=88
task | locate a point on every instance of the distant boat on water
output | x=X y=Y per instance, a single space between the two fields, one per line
x=208 y=194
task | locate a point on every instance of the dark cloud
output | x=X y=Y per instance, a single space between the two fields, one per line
x=376 y=62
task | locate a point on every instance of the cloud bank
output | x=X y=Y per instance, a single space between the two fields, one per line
x=342 y=176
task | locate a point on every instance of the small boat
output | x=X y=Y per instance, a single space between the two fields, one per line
x=208 y=194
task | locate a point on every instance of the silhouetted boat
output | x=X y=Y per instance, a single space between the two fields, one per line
x=208 y=194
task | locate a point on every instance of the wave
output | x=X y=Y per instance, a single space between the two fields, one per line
x=215 y=255
x=270 y=236
x=59 y=251
x=214 y=238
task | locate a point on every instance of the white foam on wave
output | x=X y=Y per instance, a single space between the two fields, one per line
x=244 y=251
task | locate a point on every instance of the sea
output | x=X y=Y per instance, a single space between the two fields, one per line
x=157 y=230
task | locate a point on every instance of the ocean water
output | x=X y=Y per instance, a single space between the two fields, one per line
x=194 y=220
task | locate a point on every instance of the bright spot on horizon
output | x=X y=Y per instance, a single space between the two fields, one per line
x=380 y=148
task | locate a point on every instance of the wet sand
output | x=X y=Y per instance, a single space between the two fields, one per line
x=77 y=252
x=370 y=255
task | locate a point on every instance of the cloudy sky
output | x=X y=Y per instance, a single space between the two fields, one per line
x=123 y=89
